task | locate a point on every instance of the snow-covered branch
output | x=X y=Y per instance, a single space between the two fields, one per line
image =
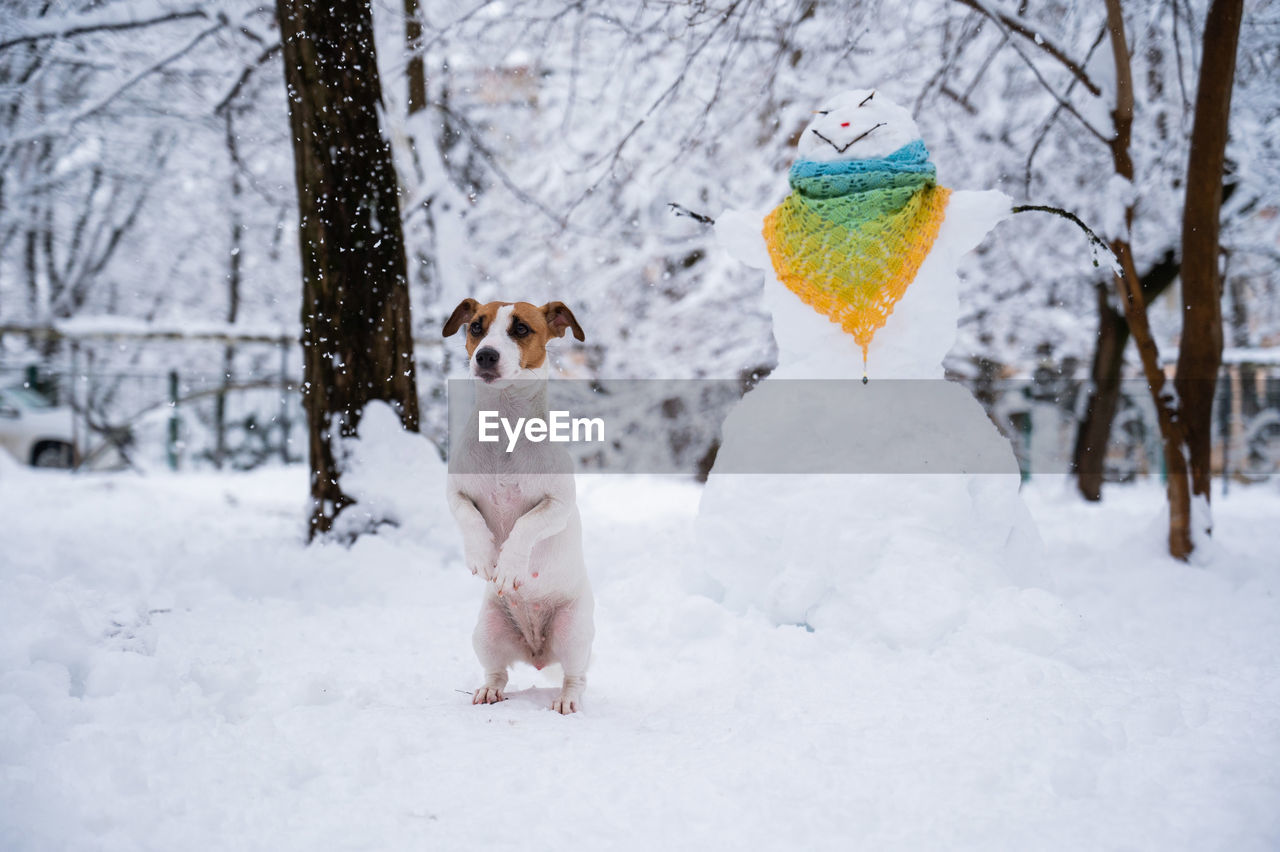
x=1061 y=99
x=113 y=18
x=1032 y=33
x=63 y=125
x=263 y=58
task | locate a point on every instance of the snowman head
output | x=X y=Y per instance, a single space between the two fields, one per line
x=857 y=125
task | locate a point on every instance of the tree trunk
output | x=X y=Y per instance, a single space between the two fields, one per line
x=1171 y=432
x=356 y=334
x=415 y=77
x=415 y=71
x=1094 y=433
x=233 y=294
x=1135 y=305
x=1200 y=350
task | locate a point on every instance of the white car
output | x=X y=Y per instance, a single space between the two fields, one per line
x=34 y=430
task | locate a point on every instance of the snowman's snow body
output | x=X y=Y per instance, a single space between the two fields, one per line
x=896 y=554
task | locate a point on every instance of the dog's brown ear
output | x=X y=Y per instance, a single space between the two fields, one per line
x=462 y=314
x=559 y=318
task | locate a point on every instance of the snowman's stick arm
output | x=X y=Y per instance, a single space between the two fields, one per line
x=1097 y=242
x=681 y=210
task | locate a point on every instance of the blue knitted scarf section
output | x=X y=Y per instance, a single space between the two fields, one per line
x=909 y=166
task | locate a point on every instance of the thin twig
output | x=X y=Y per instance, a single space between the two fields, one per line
x=1032 y=34
x=1053 y=117
x=69 y=27
x=1035 y=70
x=681 y=210
x=263 y=59
x=64 y=125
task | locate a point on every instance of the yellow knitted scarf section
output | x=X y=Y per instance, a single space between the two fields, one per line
x=852 y=235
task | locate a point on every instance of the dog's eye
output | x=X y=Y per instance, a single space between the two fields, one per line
x=477 y=328
x=519 y=330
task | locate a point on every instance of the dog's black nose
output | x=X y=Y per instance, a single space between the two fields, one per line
x=487 y=358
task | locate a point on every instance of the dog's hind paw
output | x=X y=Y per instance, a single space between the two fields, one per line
x=566 y=704
x=488 y=695
x=570 y=698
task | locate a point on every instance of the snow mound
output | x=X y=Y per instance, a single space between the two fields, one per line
x=898 y=558
x=396 y=477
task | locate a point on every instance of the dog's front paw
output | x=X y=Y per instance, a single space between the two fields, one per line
x=488 y=695
x=512 y=571
x=482 y=559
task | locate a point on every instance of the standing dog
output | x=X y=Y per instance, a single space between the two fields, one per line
x=517 y=510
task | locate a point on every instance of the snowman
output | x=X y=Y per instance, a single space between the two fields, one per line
x=881 y=498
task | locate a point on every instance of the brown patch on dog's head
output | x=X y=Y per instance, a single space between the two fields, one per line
x=529 y=331
x=531 y=328
x=475 y=317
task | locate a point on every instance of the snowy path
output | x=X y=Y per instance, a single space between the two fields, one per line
x=178 y=672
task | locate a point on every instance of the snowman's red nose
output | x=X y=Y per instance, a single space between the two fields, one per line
x=844 y=124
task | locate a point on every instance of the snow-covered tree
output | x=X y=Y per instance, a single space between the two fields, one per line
x=356 y=336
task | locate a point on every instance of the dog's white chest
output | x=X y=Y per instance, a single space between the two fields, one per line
x=505 y=496
x=501 y=501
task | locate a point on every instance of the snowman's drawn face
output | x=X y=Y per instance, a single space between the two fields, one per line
x=857 y=125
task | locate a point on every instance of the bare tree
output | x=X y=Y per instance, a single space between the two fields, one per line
x=1184 y=419
x=356 y=338
x=1201 y=324
x=1200 y=350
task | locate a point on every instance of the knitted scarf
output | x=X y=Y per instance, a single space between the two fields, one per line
x=852 y=235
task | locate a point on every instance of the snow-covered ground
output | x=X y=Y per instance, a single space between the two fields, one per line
x=178 y=671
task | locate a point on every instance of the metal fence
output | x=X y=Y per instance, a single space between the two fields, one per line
x=215 y=397
x=219 y=398
x=1040 y=416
